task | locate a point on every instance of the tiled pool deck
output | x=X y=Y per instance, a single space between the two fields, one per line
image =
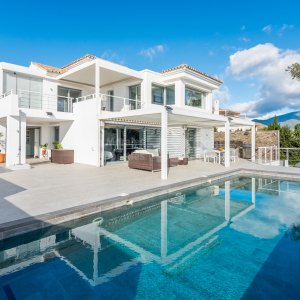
x=55 y=193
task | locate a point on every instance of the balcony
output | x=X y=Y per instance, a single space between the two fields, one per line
x=113 y=103
x=39 y=101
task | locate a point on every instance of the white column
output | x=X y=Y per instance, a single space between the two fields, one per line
x=97 y=80
x=253 y=143
x=125 y=143
x=102 y=162
x=227 y=200
x=164 y=144
x=253 y=194
x=179 y=93
x=227 y=144
x=164 y=230
x=16 y=140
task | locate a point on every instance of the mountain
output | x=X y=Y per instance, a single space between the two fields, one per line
x=289 y=119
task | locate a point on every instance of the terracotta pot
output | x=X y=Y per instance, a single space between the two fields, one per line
x=44 y=152
x=2 y=157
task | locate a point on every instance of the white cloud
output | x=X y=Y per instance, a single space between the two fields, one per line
x=285 y=27
x=222 y=94
x=267 y=64
x=153 y=51
x=244 y=39
x=267 y=29
x=113 y=56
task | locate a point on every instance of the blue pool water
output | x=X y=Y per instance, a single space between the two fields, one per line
x=237 y=239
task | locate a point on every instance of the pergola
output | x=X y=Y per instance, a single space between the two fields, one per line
x=167 y=116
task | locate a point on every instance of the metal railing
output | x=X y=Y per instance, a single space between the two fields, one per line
x=268 y=155
x=39 y=101
x=113 y=103
x=6 y=94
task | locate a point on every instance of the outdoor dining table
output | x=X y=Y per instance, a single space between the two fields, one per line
x=220 y=153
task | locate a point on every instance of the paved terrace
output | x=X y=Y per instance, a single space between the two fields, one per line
x=49 y=187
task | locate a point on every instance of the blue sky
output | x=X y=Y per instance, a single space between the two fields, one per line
x=217 y=37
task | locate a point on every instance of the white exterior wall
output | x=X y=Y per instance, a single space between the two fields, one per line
x=3 y=138
x=12 y=141
x=204 y=141
x=176 y=142
x=1 y=82
x=83 y=135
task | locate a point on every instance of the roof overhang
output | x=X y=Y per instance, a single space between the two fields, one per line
x=177 y=117
x=109 y=73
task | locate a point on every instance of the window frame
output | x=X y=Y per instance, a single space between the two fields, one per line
x=203 y=97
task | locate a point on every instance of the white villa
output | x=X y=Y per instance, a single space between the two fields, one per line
x=104 y=111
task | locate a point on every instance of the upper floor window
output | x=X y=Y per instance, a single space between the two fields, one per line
x=157 y=94
x=29 y=89
x=63 y=96
x=194 y=97
x=163 y=95
x=134 y=96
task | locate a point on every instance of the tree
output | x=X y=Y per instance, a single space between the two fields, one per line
x=297 y=131
x=275 y=125
x=286 y=137
x=294 y=70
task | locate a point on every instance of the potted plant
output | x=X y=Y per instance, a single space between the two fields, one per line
x=44 y=149
x=57 y=145
x=2 y=155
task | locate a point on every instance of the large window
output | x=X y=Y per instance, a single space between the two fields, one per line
x=135 y=94
x=163 y=95
x=157 y=94
x=194 y=97
x=28 y=88
x=64 y=94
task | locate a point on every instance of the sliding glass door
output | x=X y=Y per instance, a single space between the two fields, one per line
x=120 y=141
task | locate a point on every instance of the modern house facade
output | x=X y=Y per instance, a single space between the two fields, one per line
x=105 y=111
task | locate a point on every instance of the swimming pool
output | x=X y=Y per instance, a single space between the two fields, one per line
x=231 y=239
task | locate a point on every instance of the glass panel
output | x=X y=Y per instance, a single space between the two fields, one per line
x=170 y=92
x=36 y=93
x=63 y=91
x=194 y=98
x=10 y=82
x=134 y=94
x=23 y=88
x=157 y=94
x=113 y=144
x=134 y=139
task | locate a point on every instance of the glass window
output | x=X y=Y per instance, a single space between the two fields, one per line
x=135 y=94
x=56 y=133
x=170 y=95
x=157 y=94
x=64 y=94
x=29 y=89
x=194 y=97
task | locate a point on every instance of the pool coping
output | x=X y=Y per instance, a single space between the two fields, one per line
x=25 y=225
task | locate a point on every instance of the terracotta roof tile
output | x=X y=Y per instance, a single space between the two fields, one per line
x=185 y=66
x=67 y=67
x=49 y=68
x=87 y=57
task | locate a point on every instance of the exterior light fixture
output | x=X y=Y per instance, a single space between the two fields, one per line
x=168 y=108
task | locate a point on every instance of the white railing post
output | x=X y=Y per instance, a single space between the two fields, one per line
x=265 y=154
x=271 y=154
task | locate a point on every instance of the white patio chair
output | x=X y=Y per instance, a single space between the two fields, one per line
x=211 y=156
x=234 y=155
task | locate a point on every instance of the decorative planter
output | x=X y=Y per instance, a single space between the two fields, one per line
x=62 y=156
x=2 y=158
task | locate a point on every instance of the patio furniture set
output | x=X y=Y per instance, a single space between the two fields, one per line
x=218 y=156
x=150 y=160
